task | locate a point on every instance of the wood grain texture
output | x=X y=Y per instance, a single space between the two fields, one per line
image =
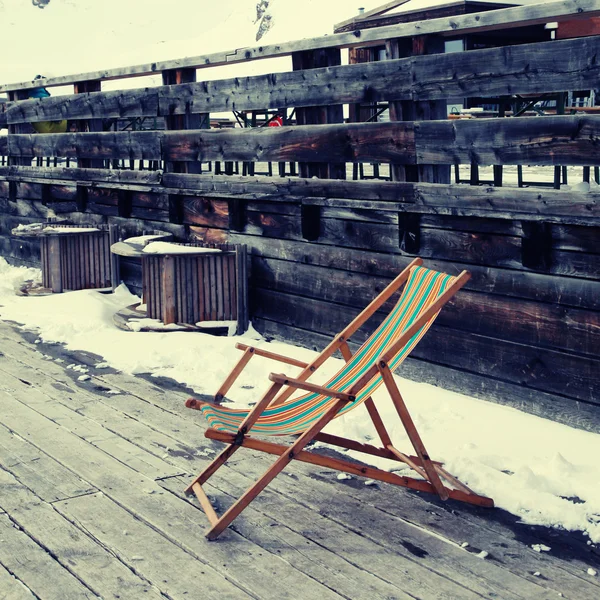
x=543 y=141
x=483 y=201
x=522 y=69
x=504 y=317
x=540 y=369
x=158 y=517
x=570 y=140
x=31 y=564
x=71 y=546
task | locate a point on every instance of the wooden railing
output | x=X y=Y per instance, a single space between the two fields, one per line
x=527 y=328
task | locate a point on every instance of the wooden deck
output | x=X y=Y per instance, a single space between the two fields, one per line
x=91 y=506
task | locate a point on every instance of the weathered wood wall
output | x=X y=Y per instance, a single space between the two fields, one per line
x=525 y=331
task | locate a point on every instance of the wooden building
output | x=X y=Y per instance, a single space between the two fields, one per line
x=401 y=13
x=525 y=331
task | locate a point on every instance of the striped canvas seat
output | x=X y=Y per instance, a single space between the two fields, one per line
x=423 y=287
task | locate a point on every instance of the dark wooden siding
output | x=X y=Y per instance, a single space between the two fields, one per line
x=526 y=329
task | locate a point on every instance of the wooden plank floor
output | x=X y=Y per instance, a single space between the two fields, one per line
x=91 y=506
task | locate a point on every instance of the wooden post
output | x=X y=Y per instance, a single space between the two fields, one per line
x=407 y=110
x=186 y=121
x=586 y=174
x=320 y=115
x=93 y=125
x=409 y=225
x=168 y=290
x=498 y=169
x=115 y=275
x=358 y=56
x=560 y=110
x=19 y=128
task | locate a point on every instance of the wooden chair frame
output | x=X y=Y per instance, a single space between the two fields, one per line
x=282 y=387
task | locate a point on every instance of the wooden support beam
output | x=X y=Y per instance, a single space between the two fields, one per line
x=421 y=110
x=568 y=140
x=92 y=125
x=548 y=205
x=17 y=129
x=187 y=120
x=334 y=113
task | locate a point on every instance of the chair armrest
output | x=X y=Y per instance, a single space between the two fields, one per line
x=310 y=387
x=272 y=355
x=249 y=352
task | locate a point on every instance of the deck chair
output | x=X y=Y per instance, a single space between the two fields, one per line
x=279 y=414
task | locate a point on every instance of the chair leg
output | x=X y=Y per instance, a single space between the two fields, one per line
x=384 y=436
x=233 y=512
x=411 y=430
x=246 y=425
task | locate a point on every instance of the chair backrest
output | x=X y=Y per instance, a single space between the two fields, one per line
x=423 y=288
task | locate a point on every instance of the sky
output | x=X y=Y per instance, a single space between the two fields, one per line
x=77 y=36
x=71 y=36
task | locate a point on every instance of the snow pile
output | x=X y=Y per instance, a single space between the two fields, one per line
x=62 y=229
x=12 y=278
x=544 y=472
x=144 y=239
x=171 y=248
x=22 y=228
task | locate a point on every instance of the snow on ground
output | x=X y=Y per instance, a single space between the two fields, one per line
x=172 y=248
x=544 y=472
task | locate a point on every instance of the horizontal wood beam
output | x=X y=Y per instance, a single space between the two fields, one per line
x=553 y=206
x=551 y=140
x=520 y=16
x=311 y=143
x=559 y=140
x=521 y=69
